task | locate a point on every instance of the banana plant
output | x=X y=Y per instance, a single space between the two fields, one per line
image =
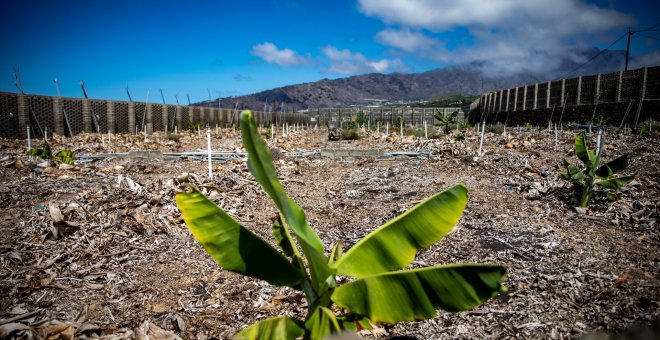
x=65 y=156
x=446 y=122
x=378 y=290
x=593 y=178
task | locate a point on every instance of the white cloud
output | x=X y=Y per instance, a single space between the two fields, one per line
x=272 y=55
x=406 y=39
x=347 y=63
x=507 y=35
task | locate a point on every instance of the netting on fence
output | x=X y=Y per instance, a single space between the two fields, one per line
x=74 y=113
x=588 y=90
x=653 y=83
x=555 y=93
x=157 y=117
x=40 y=113
x=100 y=110
x=608 y=87
x=570 y=91
x=140 y=118
x=631 y=84
x=9 y=126
x=121 y=117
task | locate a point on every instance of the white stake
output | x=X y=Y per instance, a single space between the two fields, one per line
x=145 y=133
x=598 y=141
x=387 y=129
x=208 y=144
x=216 y=129
x=401 y=129
x=555 y=135
x=175 y=130
x=29 y=139
x=378 y=127
x=481 y=143
x=103 y=141
x=272 y=131
x=426 y=133
x=46 y=133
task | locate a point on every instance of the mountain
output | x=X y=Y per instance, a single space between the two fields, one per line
x=467 y=79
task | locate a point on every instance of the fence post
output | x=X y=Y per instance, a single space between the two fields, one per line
x=597 y=89
x=111 y=117
x=515 y=100
x=87 y=115
x=524 y=98
x=23 y=120
x=164 y=117
x=508 y=97
x=579 y=91
x=619 y=81
x=131 y=117
x=149 y=119
x=643 y=94
x=536 y=94
x=547 y=95
x=563 y=92
x=177 y=117
x=58 y=117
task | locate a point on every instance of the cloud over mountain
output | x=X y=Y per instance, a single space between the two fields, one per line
x=506 y=36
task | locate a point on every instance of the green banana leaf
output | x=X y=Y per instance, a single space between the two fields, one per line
x=65 y=156
x=615 y=183
x=394 y=245
x=234 y=247
x=322 y=323
x=414 y=294
x=260 y=164
x=583 y=153
x=279 y=327
x=617 y=165
x=282 y=237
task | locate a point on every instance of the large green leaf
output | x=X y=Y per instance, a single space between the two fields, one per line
x=234 y=247
x=615 y=183
x=260 y=163
x=581 y=150
x=279 y=327
x=415 y=294
x=394 y=244
x=617 y=165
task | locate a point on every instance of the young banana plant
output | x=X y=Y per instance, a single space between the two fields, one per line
x=445 y=122
x=593 y=176
x=378 y=291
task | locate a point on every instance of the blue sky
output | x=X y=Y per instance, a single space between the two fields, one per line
x=239 y=47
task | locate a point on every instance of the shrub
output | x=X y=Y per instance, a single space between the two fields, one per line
x=378 y=292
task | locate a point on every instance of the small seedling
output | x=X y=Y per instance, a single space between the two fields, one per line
x=65 y=156
x=377 y=292
x=593 y=178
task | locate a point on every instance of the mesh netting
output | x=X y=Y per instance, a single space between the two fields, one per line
x=100 y=110
x=74 y=112
x=9 y=116
x=121 y=117
x=607 y=88
x=157 y=117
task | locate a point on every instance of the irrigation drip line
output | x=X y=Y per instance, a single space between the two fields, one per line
x=224 y=156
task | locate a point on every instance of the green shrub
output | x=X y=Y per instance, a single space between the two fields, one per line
x=378 y=292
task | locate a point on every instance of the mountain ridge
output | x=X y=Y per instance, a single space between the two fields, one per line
x=464 y=79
